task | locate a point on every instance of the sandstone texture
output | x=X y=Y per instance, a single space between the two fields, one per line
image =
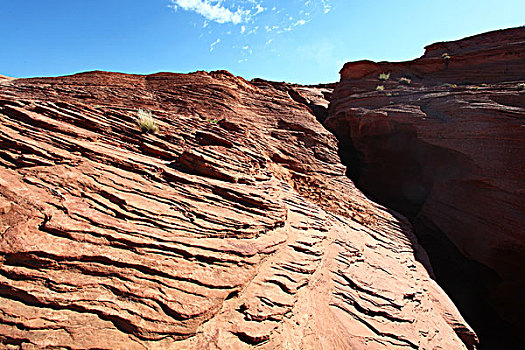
x=234 y=226
x=448 y=151
x=3 y=77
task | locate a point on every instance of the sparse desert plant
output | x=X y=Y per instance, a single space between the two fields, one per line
x=520 y=86
x=213 y=121
x=405 y=81
x=146 y=122
x=449 y=85
x=384 y=76
x=380 y=88
x=445 y=56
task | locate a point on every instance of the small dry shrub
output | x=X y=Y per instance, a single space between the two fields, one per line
x=384 y=76
x=146 y=122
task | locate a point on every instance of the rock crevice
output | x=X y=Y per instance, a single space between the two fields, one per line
x=447 y=150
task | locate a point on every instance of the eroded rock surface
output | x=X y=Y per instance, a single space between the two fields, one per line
x=233 y=226
x=448 y=150
x=3 y=77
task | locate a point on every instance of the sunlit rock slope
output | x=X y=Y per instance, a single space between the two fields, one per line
x=234 y=226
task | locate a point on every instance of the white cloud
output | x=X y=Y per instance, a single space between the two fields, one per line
x=300 y=22
x=213 y=10
x=212 y=46
x=258 y=9
x=327 y=7
x=247 y=49
x=269 y=29
x=253 y=22
x=246 y=12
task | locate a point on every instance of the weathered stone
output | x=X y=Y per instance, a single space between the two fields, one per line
x=235 y=225
x=449 y=152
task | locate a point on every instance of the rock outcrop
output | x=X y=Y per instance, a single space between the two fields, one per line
x=447 y=149
x=3 y=77
x=233 y=226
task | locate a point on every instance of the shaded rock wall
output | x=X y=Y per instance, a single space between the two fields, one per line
x=234 y=226
x=448 y=151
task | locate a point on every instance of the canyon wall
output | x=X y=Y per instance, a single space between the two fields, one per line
x=441 y=139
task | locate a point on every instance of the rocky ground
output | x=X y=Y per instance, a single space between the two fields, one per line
x=236 y=225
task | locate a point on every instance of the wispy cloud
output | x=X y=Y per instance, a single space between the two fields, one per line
x=212 y=46
x=246 y=11
x=327 y=7
x=214 y=10
x=237 y=22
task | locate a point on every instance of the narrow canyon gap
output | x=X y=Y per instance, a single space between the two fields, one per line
x=448 y=152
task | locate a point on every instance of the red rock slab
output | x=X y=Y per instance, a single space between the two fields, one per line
x=234 y=226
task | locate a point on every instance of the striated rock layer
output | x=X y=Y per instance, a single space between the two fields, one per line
x=233 y=226
x=448 y=150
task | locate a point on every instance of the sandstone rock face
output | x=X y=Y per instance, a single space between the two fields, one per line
x=315 y=97
x=3 y=77
x=484 y=58
x=448 y=150
x=233 y=226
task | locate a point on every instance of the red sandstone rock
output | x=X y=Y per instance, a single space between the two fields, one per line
x=233 y=226
x=479 y=59
x=451 y=156
x=3 y=77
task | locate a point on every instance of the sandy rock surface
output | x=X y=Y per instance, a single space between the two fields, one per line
x=233 y=226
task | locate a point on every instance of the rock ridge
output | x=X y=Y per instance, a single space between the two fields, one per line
x=234 y=226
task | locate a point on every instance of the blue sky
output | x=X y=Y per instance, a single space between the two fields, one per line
x=304 y=41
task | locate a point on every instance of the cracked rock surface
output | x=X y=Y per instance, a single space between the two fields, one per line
x=232 y=227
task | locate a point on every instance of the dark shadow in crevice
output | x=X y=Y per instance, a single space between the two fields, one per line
x=398 y=171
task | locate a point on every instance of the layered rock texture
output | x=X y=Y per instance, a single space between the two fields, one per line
x=234 y=226
x=442 y=140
